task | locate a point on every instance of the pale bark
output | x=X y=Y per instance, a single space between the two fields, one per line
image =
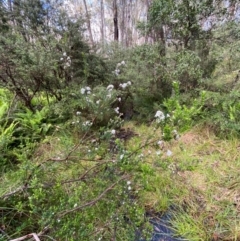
x=88 y=23
x=102 y=23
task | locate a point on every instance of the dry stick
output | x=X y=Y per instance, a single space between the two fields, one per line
x=94 y=200
x=34 y=235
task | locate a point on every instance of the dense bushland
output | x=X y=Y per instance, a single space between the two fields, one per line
x=72 y=165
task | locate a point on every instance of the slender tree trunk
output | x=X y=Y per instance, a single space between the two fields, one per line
x=123 y=27
x=146 y=33
x=88 y=23
x=102 y=23
x=115 y=20
x=10 y=5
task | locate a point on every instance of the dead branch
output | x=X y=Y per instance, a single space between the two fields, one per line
x=34 y=235
x=91 y=203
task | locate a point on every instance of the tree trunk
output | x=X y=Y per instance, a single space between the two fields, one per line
x=102 y=23
x=123 y=27
x=115 y=20
x=88 y=23
x=10 y=5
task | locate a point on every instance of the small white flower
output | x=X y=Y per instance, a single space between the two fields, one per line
x=116 y=110
x=97 y=102
x=174 y=132
x=117 y=71
x=64 y=54
x=129 y=83
x=110 y=87
x=118 y=65
x=160 y=143
x=78 y=113
x=169 y=153
x=124 y=85
x=89 y=92
x=75 y=205
x=113 y=132
x=88 y=88
x=160 y=116
x=121 y=156
x=73 y=123
x=149 y=152
x=167 y=116
x=87 y=123
x=128 y=182
x=129 y=188
x=123 y=63
x=83 y=91
x=158 y=153
x=58 y=220
x=61 y=59
x=119 y=99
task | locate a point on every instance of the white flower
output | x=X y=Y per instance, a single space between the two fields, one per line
x=110 y=87
x=158 y=153
x=124 y=85
x=97 y=102
x=64 y=54
x=129 y=83
x=121 y=156
x=123 y=63
x=129 y=188
x=88 y=88
x=113 y=132
x=160 y=116
x=87 y=123
x=118 y=65
x=174 y=132
x=119 y=99
x=128 y=182
x=61 y=59
x=83 y=90
x=169 y=153
x=89 y=92
x=167 y=116
x=78 y=113
x=160 y=143
x=58 y=220
x=116 y=110
x=117 y=71
x=75 y=205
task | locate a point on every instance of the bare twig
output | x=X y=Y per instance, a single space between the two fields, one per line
x=34 y=235
x=91 y=203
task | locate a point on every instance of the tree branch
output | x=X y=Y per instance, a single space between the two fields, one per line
x=94 y=201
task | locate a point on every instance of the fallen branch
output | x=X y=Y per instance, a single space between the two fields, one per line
x=91 y=203
x=34 y=235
